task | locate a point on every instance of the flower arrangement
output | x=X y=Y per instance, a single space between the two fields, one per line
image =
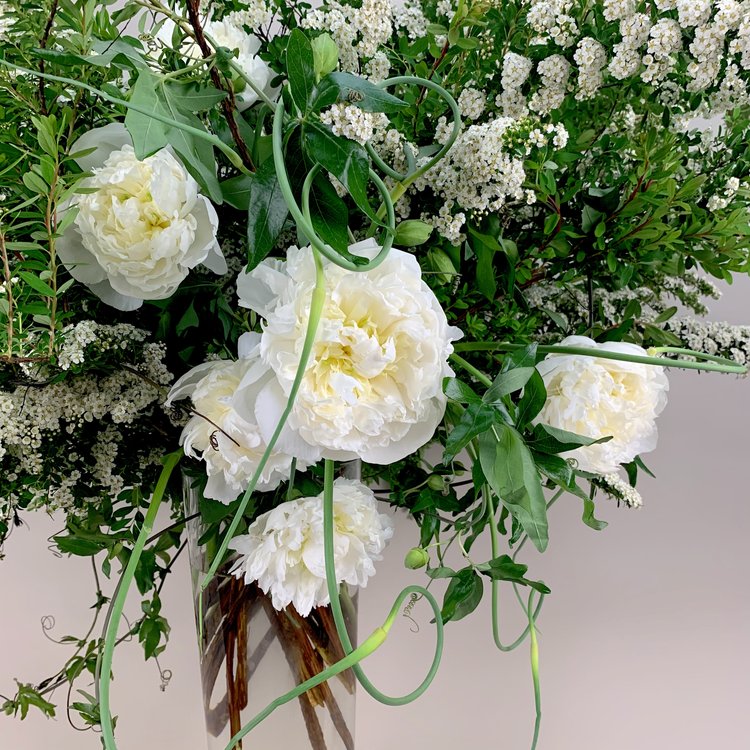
x=459 y=242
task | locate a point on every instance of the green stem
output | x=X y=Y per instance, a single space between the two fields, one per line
x=712 y=363
x=110 y=638
x=317 y=302
x=338 y=615
x=477 y=373
x=534 y=652
x=215 y=141
x=349 y=661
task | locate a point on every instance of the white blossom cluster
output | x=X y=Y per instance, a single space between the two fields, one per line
x=254 y=14
x=410 y=17
x=6 y=21
x=358 y=32
x=590 y=57
x=718 y=202
x=472 y=103
x=554 y=72
x=351 y=122
x=616 y=487
x=720 y=338
x=551 y=19
x=478 y=175
x=665 y=40
x=515 y=71
x=73 y=434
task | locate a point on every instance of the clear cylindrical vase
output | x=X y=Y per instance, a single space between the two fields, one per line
x=251 y=654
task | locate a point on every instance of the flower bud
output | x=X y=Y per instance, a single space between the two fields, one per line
x=436 y=482
x=440 y=262
x=325 y=54
x=416 y=558
x=412 y=232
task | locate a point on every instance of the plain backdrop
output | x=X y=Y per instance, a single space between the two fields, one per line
x=643 y=641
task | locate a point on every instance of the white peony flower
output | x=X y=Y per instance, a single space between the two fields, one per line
x=283 y=549
x=373 y=385
x=602 y=397
x=142 y=227
x=224 y=430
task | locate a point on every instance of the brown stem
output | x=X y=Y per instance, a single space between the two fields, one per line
x=42 y=45
x=228 y=105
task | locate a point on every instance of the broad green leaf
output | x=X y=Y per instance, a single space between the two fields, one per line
x=37 y=284
x=236 y=191
x=476 y=419
x=532 y=401
x=504 y=569
x=76 y=546
x=463 y=595
x=150 y=135
x=511 y=472
x=329 y=214
x=457 y=390
x=547 y=439
x=300 y=63
x=588 y=515
x=191 y=97
x=344 y=159
x=508 y=382
x=267 y=213
x=365 y=94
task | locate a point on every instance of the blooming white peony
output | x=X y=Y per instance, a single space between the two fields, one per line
x=143 y=226
x=283 y=549
x=373 y=385
x=603 y=397
x=224 y=431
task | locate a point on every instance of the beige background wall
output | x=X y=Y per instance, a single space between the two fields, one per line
x=644 y=641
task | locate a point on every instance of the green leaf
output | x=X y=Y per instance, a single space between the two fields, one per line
x=188 y=320
x=266 y=215
x=547 y=439
x=504 y=569
x=476 y=419
x=192 y=97
x=457 y=390
x=532 y=401
x=463 y=595
x=329 y=214
x=511 y=472
x=508 y=382
x=365 y=94
x=150 y=135
x=344 y=159
x=588 y=515
x=300 y=63
x=76 y=546
x=236 y=191
x=412 y=232
x=37 y=284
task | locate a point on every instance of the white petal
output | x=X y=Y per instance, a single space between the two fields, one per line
x=105 y=140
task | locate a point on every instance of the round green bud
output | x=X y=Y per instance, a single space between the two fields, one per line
x=416 y=558
x=436 y=482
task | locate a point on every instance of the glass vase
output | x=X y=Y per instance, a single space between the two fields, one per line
x=251 y=654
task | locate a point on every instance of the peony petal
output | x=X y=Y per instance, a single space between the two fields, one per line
x=106 y=139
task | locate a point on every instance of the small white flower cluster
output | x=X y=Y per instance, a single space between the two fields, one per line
x=410 y=17
x=614 y=10
x=378 y=67
x=478 y=174
x=90 y=410
x=358 y=32
x=693 y=12
x=627 y=58
x=719 y=202
x=472 y=103
x=616 y=487
x=554 y=72
x=590 y=57
x=6 y=21
x=351 y=122
x=254 y=14
x=665 y=40
x=515 y=71
x=712 y=337
x=552 y=21
x=539 y=137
